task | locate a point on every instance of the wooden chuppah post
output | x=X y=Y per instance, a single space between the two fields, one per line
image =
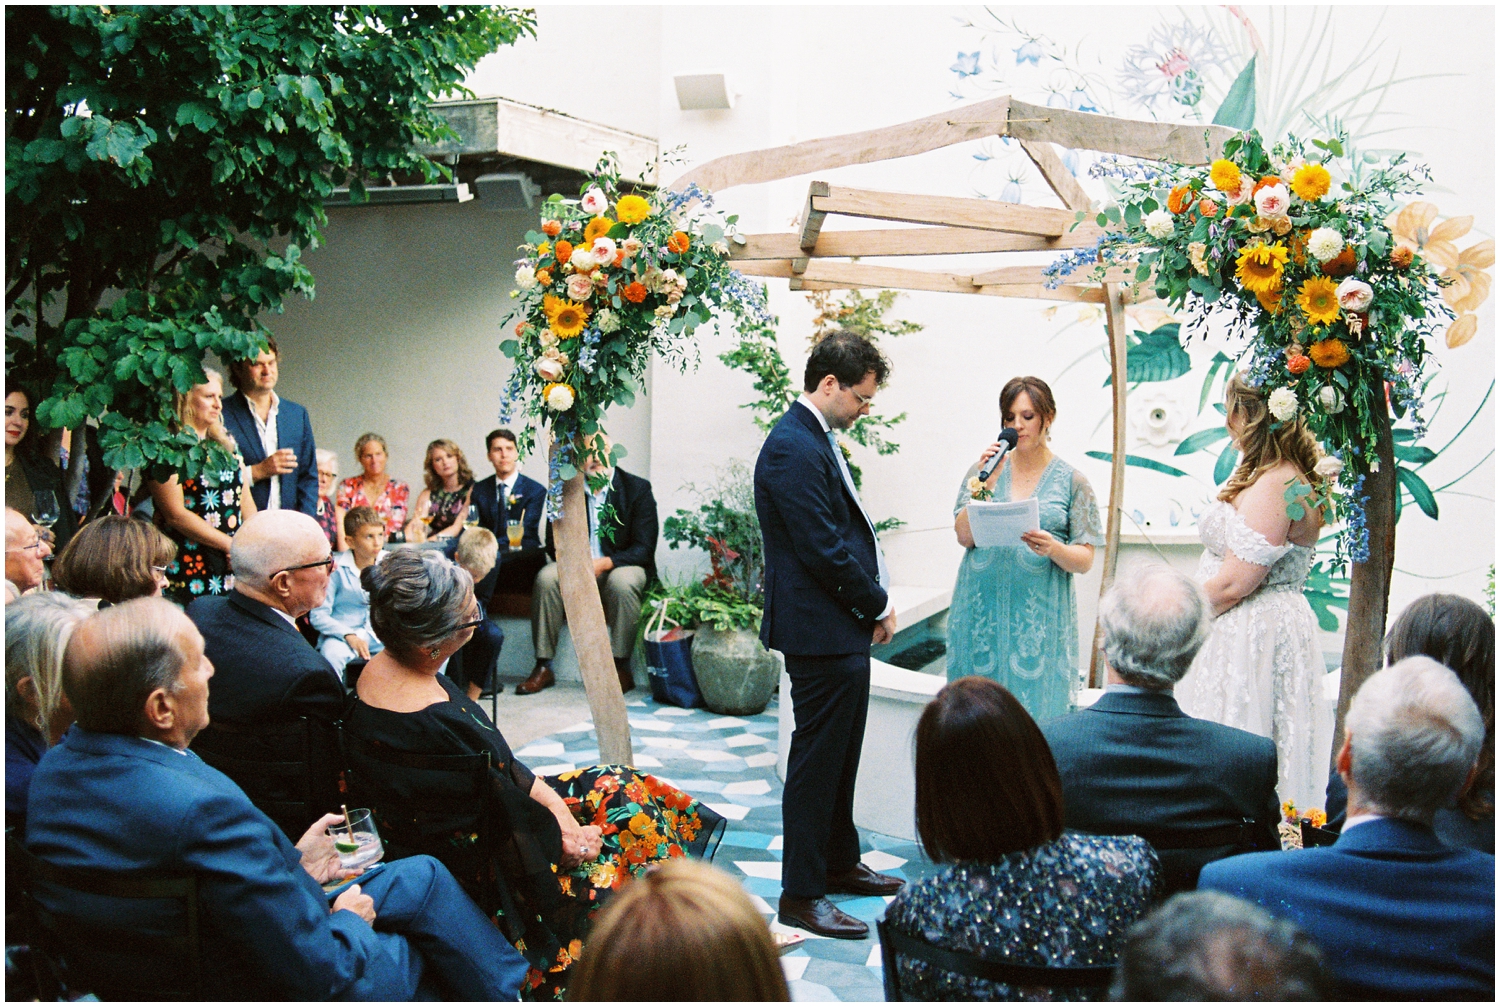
x=1114 y=313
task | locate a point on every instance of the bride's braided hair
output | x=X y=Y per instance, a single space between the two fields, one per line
x=1261 y=447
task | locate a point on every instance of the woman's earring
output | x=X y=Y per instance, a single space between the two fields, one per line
x=433 y=653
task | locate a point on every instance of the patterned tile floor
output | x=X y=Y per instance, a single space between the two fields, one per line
x=730 y=764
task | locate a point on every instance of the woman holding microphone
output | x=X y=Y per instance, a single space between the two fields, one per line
x=1013 y=617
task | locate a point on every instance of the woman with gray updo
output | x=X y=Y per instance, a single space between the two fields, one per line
x=422 y=607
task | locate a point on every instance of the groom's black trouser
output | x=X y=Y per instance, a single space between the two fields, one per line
x=830 y=698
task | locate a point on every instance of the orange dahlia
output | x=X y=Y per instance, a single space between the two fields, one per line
x=1180 y=199
x=1299 y=363
x=678 y=242
x=551 y=228
x=563 y=251
x=635 y=292
x=1208 y=208
x=1329 y=353
x=1319 y=300
x=544 y=276
x=1341 y=264
x=1265 y=183
x=1401 y=256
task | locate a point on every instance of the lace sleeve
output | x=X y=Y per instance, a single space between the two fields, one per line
x=963 y=490
x=1083 y=514
x=1250 y=545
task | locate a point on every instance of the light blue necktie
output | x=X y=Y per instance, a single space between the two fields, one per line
x=884 y=575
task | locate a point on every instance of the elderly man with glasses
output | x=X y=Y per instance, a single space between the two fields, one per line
x=25 y=552
x=267 y=674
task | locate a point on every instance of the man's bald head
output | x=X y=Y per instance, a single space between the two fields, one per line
x=119 y=656
x=273 y=542
x=15 y=526
x=24 y=552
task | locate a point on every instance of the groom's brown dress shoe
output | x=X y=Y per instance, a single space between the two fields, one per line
x=820 y=917
x=863 y=881
x=541 y=678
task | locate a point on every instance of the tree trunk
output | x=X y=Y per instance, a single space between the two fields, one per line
x=580 y=591
x=1370 y=581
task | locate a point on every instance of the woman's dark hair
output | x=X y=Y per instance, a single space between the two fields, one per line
x=1457 y=633
x=986 y=781
x=1037 y=390
x=848 y=356
x=418 y=598
x=111 y=557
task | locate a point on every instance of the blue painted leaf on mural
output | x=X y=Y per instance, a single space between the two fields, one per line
x=1139 y=462
x=1238 y=110
x=1419 y=490
x=1155 y=356
x=1201 y=440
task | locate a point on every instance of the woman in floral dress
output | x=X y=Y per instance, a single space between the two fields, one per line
x=202 y=514
x=567 y=842
x=374 y=488
x=444 y=503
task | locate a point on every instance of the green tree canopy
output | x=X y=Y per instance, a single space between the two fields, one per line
x=174 y=162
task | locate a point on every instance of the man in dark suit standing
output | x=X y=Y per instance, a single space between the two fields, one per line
x=274 y=435
x=1398 y=915
x=123 y=794
x=624 y=563
x=267 y=672
x=507 y=496
x=826 y=600
x=1135 y=764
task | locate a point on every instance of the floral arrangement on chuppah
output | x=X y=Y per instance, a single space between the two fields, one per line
x=606 y=281
x=1294 y=248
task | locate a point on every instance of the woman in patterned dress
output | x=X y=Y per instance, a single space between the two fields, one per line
x=1013 y=616
x=444 y=503
x=570 y=841
x=1014 y=886
x=376 y=489
x=202 y=514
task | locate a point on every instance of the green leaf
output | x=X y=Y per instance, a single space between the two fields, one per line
x=255 y=99
x=566 y=471
x=1296 y=511
x=1238 y=108
x=1419 y=490
x=1201 y=440
x=1132 y=215
x=1139 y=462
x=1224 y=467
x=510 y=347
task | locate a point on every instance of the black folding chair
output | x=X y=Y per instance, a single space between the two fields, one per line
x=1185 y=852
x=1313 y=835
x=289 y=770
x=118 y=951
x=964 y=963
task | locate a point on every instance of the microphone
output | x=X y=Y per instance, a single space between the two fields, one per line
x=1007 y=441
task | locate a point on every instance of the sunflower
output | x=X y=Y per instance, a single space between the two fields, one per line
x=1311 y=182
x=632 y=209
x=1259 y=267
x=1328 y=353
x=1270 y=300
x=567 y=318
x=1319 y=300
x=597 y=228
x=1225 y=175
x=1180 y=199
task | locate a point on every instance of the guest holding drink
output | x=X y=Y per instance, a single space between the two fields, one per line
x=1013 y=617
x=510 y=505
x=374 y=488
x=329 y=517
x=343 y=620
x=444 y=504
x=202 y=514
x=30 y=474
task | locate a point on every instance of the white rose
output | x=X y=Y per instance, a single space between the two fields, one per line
x=525 y=277
x=582 y=260
x=1283 y=404
x=1329 y=467
x=560 y=398
x=549 y=369
x=1272 y=201
x=1354 y=295
x=580 y=287
x=1330 y=399
x=594 y=202
x=1159 y=224
x=1325 y=243
x=666 y=311
x=604 y=250
x=607 y=321
x=631 y=246
x=547 y=338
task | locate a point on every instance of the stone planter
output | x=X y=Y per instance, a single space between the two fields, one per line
x=735 y=673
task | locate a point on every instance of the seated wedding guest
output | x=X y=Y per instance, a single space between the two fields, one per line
x=572 y=838
x=204 y=513
x=25 y=552
x=120 y=794
x=1398 y=915
x=1135 y=764
x=329 y=516
x=37 y=713
x=115 y=559
x=684 y=927
x=507 y=497
x=343 y=619
x=1460 y=635
x=443 y=504
x=373 y=488
x=473 y=667
x=28 y=469
x=1208 y=946
x=624 y=564
x=989 y=807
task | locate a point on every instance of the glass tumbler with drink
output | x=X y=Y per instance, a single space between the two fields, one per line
x=357 y=840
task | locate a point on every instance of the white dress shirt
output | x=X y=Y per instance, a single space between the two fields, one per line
x=270 y=442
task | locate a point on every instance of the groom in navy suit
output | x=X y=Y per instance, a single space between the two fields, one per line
x=826 y=600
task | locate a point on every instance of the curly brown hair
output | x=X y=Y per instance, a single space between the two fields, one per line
x=1265 y=443
x=431 y=478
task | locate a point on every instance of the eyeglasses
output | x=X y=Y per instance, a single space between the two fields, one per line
x=472 y=623
x=33 y=547
x=325 y=562
x=864 y=400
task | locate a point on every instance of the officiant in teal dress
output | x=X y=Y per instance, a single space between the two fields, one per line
x=1013 y=616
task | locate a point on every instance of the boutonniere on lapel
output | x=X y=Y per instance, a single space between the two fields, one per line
x=845 y=450
x=512 y=500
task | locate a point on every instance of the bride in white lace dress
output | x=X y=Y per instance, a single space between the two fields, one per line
x=1261 y=669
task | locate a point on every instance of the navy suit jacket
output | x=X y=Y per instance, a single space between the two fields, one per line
x=823 y=594
x=1135 y=762
x=116 y=803
x=635 y=529
x=299 y=489
x=533 y=497
x=1398 y=915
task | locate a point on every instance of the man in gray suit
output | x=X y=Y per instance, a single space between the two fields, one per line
x=1135 y=764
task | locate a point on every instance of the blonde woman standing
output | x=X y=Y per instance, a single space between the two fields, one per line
x=1261 y=669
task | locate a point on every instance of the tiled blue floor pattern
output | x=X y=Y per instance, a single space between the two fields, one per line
x=730 y=764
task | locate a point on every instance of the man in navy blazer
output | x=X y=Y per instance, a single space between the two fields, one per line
x=122 y=793
x=514 y=571
x=1135 y=764
x=825 y=601
x=1398 y=915
x=274 y=434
